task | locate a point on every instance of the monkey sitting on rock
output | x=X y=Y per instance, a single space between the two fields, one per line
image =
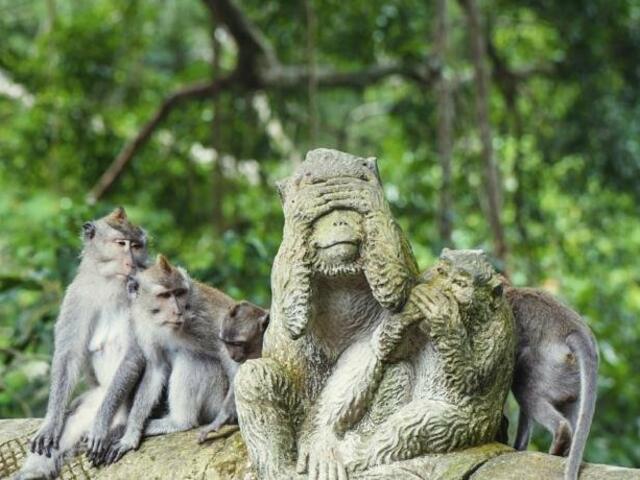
x=92 y=331
x=179 y=325
x=555 y=375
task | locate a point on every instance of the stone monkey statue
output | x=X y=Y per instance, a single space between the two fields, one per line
x=459 y=305
x=344 y=268
x=556 y=373
x=92 y=332
x=177 y=324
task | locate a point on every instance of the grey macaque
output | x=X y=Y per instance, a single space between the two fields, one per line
x=92 y=332
x=555 y=375
x=241 y=332
x=177 y=326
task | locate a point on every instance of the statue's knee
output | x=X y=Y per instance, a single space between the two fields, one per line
x=257 y=379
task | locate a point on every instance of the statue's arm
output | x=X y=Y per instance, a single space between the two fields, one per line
x=357 y=375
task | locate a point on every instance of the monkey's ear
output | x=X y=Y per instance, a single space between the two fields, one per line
x=119 y=214
x=264 y=321
x=372 y=164
x=133 y=287
x=163 y=263
x=233 y=312
x=88 y=230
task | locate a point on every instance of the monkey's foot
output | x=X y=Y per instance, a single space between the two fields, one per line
x=561 y=440
x=221 y=432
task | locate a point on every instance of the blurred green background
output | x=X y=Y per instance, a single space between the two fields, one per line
x=79 y=81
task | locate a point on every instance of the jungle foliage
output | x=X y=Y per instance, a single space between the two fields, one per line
x=80 y=80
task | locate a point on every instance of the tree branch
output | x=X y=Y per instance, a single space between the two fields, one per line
x=249 y=39
x=286 y=77
x=197 y=91
x=257 y=67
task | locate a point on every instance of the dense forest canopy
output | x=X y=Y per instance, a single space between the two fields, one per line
x=512 y=126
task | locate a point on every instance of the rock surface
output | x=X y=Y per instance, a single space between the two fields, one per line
x=178 y=456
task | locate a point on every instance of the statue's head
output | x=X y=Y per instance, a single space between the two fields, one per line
x=469 y=276
x=329 y=203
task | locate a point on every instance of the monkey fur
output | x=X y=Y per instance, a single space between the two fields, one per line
x=555 y=375
x=177 y=323
x=91 y=331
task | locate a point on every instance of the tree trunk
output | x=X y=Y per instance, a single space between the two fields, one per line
x=492 y=185
x=312 y=85
x=217 y=179
x=445 y=123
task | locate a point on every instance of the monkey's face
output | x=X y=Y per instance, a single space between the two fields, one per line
x=462 y=289
x=336 y=238
x=117 y=246
x=459 y=282
x=163 y=297
x=242 y=331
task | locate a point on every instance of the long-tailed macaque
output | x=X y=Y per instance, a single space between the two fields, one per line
x=92 y=331
x=556 y=372
x=177 y=324
x=241 y=332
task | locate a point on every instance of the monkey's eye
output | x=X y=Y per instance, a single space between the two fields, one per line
x=155 y=311
x=234 y=344
x=122 y=243
x=164 y=295
x=136 y=246
x=180 y=292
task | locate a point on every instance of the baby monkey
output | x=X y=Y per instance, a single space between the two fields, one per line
x=242 y=331
x=178 y=325
x=555 y=375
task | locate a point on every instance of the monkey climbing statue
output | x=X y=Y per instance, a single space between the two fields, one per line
x=347 y=295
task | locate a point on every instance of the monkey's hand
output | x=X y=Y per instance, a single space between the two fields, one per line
x=360 y=196
x=321 y=457
x=436 y=307
x=48 y=437
x=98 y=441
x=118 y=449
x=97 y=444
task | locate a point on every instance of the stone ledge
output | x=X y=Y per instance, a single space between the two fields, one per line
x=179 y=456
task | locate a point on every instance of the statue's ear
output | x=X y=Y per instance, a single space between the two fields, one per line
x=88 y=230
x=372 y=164
x=281 y=186
x=497 y=291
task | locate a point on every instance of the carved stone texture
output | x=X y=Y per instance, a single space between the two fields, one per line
x=369 y=369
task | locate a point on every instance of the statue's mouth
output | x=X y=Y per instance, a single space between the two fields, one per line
x=339 y=242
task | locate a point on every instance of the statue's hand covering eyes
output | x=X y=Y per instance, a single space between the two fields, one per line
x=366 y=364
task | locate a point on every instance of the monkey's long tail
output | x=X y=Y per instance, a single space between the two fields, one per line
x=584 y=348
